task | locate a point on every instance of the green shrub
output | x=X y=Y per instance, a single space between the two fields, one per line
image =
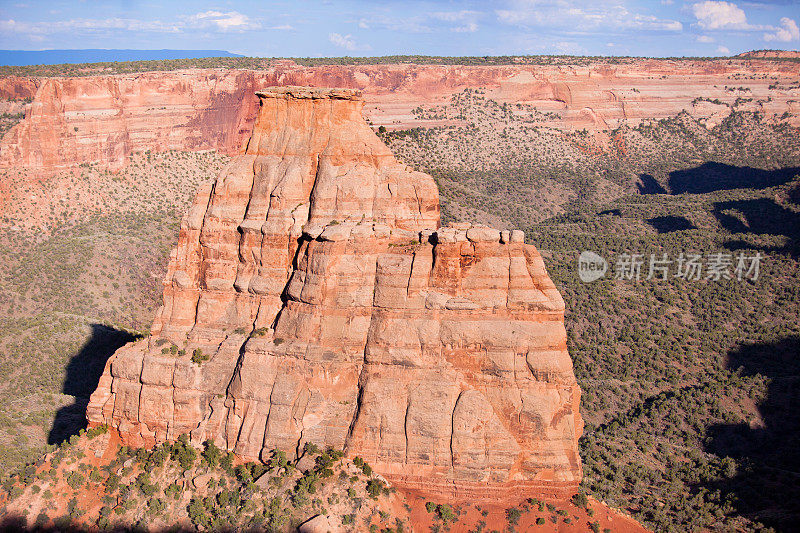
x=211 y=454
x=173 y=490
x=199 y=514
x=112 y=482
x=183 y=452
x=243 y=474
x=226 y=462
x=580 y=500
x=156 y=506
x=144 y=484
x=198 y=357
x=75 y=480
x=445 y=513
x=376 y=487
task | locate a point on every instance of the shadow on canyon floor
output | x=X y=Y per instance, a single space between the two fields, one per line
x=713 y=177
x=766 y=486
x=82 y=376
x=760 y=216
x=647 y=184
x=669 y=224
x=18 y=524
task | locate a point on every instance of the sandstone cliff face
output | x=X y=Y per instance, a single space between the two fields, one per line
x=324 y=305
x=102 y=119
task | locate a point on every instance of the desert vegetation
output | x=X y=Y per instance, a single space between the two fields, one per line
x=123 y=67
x=82 y=255
x=503 y=164
x=687 y=385
x=208 y=489
x=676 y=375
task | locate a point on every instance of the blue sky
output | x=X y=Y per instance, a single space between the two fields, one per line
x=386 y=27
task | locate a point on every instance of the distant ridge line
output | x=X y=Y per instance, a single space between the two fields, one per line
x=101 y=55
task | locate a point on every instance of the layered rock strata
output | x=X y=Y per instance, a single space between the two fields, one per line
x=102 y=119
x=312 y=297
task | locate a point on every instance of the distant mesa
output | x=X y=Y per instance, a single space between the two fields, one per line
x=100 y=55
x=211 y=106
x=770 y=54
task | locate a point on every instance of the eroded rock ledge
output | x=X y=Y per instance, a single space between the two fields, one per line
x=322 y=303
x=293 y=91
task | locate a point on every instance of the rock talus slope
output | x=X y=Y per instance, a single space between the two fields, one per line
x=322 y=303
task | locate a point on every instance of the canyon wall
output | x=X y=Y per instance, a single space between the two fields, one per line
x=102 y=119
x=313 y=297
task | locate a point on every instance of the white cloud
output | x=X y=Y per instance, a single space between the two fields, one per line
x=581 y=15
x=86 y=26
x=287 y=27
x=466 y=28
x=786 y=33
x=342 y=41
x=723 y=50
x=230 y=21
x=568 y=47
x=653 y=23
x=464 y=21
x=215 y=21
x=705 y=39
x=346 y=41
x=454 y=16
x=712 y=15
x=715 y=15
x=404 y=25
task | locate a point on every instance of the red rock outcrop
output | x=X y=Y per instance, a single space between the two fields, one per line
x=105 y=118
x=770 y=54
x=102 y=119
x=312 y=297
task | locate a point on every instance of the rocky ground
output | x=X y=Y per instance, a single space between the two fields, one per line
x=91 y=483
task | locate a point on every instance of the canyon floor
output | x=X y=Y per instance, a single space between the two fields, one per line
x=688 y=386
